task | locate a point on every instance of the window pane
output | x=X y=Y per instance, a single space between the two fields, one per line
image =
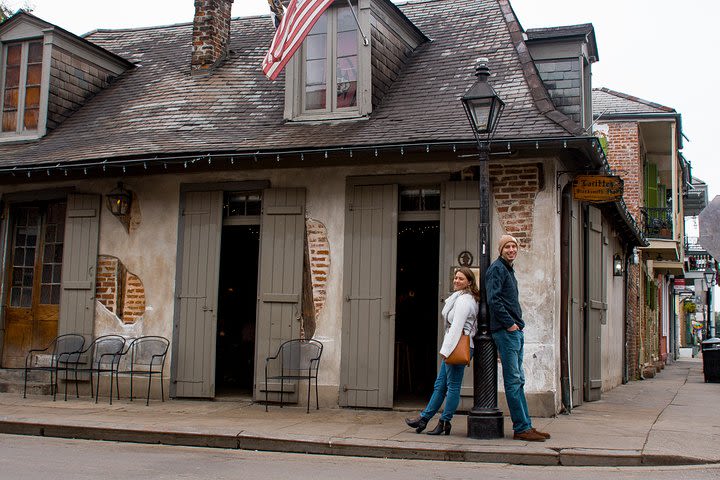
x=26 y=300
x=15 y=297
x=316 y=47
x=11 y=99
x=14 y=54
x=31 y=118
x=321 y=25
x=57 y=274
x=315 y=72
x=55 y=297
x=35 y=52
x=34 y=74
x=47 y=274
x=347 y=82
x=45 y=294
x=58 y=253
x=9 y=121
x=346 y=20
x=315 y=98
x=347 y=44
x=12 y=76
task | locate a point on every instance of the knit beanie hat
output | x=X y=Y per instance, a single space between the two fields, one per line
x=505 y=239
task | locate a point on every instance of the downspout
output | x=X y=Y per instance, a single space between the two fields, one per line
x=626 y=314
x=565 y=287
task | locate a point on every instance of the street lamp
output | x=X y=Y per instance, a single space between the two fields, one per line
x=484 y=108
x=710 y=280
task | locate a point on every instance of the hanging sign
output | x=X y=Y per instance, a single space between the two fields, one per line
x=598 y=188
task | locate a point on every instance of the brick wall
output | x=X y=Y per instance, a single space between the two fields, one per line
x=514 y=189
x=319 y=254
x=211 y=32
x=623 y=154
x=632 y=322
x=120 y=291
x=72 y=81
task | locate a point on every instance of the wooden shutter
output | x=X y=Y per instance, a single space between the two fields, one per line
x=460 y=217
x=80 y=250
x=368 y=336
x=577 y=324
x=194 y=333
x=282 y=240
x=596 y=304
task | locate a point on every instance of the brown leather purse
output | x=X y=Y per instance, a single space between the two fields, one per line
x=461 y=354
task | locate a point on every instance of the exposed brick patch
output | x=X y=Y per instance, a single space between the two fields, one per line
x=514 y=189
x=120 y=291
x=633 y=322
x=319 y=256
x=623 y=154
x=211 y=33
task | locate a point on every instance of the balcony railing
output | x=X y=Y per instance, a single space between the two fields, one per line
x=658 y=222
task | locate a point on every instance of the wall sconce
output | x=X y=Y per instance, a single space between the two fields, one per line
x=617 y=265
x=118 y=201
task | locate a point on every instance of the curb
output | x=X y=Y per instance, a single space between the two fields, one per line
x=356 y=447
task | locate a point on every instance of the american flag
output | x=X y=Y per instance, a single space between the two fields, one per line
x=299 y=19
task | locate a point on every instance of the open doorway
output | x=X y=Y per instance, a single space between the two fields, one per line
x=235 y=357
x=416 y=311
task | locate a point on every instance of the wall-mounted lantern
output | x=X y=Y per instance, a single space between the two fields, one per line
x=617 y=265
x=119 y=200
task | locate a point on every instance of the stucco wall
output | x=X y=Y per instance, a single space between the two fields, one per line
x=537 y=272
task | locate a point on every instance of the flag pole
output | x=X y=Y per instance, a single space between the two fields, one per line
x=365 y=40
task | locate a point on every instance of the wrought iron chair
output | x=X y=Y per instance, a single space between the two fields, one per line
x=101 y=356
x=61 y=349
x=295 y=360
x=146 y=359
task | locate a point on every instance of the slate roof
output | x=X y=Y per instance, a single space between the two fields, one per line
x=160 y=109
x=608 y=102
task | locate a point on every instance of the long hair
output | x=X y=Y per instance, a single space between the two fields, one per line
x=472 y=285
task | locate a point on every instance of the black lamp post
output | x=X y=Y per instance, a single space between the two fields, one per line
x=483 y=108
x=709 y=275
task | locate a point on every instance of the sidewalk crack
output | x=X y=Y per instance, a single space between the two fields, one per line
x=657 y=417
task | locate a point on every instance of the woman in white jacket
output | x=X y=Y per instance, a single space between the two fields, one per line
x=460 y=315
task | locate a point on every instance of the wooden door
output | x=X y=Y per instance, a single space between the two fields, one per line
x=79 y=259
x=368 y=334
x=198 y=275
x=577 y=323
x=596 y=304
x=460 y=217
x=36 y=235
x=282 y=241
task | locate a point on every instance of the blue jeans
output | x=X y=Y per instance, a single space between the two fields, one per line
x=447 y=383
x=510 y=346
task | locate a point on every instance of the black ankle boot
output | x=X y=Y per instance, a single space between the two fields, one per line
x=418 y=423
x=442 y=427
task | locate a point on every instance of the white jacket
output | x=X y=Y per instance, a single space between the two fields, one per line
x=460 y=314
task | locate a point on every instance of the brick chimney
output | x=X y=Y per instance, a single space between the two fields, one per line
x=211 y=33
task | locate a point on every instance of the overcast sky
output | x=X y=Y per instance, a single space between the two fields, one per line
x=658 y=50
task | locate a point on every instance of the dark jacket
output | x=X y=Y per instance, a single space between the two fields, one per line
x=502 y=296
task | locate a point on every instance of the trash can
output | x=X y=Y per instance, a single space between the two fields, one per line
x=711 y=359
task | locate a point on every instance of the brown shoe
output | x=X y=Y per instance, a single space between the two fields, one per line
x=529 y=436
x=542 y=434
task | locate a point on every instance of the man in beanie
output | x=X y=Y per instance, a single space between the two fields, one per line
x=506 y=326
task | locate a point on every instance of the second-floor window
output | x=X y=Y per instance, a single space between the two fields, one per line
x=330 y=63
x=21 y=78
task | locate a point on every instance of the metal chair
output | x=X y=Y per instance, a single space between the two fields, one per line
x=147 y=358
x=61 y=349
x=295 y=360
x=101 y=356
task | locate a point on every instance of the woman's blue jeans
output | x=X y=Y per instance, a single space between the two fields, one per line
x=510 y=347
x=447 y=384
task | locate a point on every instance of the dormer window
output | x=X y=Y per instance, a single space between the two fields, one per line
x=329 y=77
x=330 y=57
x=21 y=80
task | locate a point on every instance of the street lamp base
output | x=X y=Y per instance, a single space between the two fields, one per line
x=485 y=424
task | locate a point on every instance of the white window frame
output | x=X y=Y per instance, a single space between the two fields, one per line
x=295 y=74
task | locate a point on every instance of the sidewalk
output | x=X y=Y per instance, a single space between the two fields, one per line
x=672 y=419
